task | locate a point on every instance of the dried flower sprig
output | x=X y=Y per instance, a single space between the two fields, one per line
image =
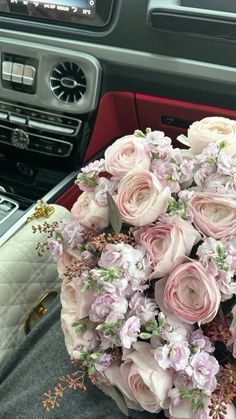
x=225 y=392
x=74 y=270
x=75 y=381
x=46 y=228
x=218 y=330
x=102 y=240
x=49 y=230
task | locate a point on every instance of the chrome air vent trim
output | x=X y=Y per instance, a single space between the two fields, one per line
x=68 y=82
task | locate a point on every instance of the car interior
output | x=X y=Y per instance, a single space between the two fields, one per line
x=78 y=74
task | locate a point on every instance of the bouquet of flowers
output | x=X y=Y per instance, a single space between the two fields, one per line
x=148 y=265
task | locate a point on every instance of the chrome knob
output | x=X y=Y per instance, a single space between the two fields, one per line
x=20 y=139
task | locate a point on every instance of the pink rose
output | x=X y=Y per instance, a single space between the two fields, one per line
x=214 y=214
x=75 y=300
x=164 y=243
x=233 y=330
x=79 y=334
x=118 y=377
x=88 y=213
x=85 y=339
x=212 y=130
x=141 y=198
x=126 y=153
x=190 y=292
x=70 y=335
x=67 y=259
x=147 y=381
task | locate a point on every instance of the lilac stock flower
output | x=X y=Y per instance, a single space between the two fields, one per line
x=55 y=248
x=216 y=256
x=104 y=185
x=215 y=182
x=185 y=195
x=209 y=154
x=231 y=246
x=111 y=280
x=186 y=168
x=202 y=174
x=174 y=356
x=88 y=258
x=142 y=307
x=102 y=363
x=88 y=341
x=226 y=165
x=137 y=268
x=72 y=233
x=174 y=172
x=226 y=284
x=167 y=174
x=129 y=332
x=131 y=265
x=113 y=256
x=158 y=144
x=93 y=168
x=181 y=379
x=106 y=342
x=175 y=332
x=211 y=252
x=108 y=307
x=200 y=341
x=204 y=369
x=88 y=179
x=216 y=171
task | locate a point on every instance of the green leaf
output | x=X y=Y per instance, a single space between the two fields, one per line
x=114 y=215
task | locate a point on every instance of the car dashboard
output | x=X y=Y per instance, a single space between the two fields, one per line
x=76 y=75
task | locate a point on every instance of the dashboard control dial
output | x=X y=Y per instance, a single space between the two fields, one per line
x=20 y=139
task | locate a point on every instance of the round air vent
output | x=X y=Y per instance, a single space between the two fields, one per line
x=68 y=82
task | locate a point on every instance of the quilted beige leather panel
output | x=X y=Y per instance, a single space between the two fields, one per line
x=24 y=279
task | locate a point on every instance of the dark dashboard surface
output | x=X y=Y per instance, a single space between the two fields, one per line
x=130 y=30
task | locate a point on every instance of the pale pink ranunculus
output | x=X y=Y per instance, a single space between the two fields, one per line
x=88 y=213
x=126 y=153
x=214 y=214
x=190 y=292
x=166 y=242
x=148 y=382
x=212 y=130
x=141 y=198
x=233 y=330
